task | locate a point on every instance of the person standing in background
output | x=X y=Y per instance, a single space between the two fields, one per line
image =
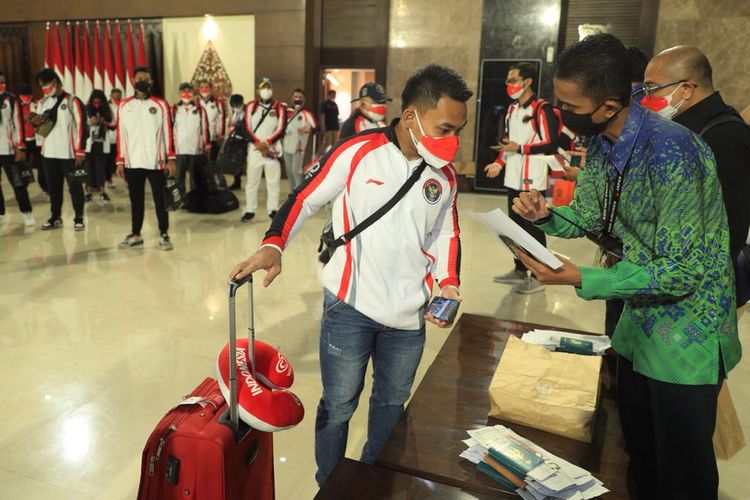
x=530 y=131
x=370 y=112
x=300 y=126
x=265 y=119
x=63 y=147
x=191 y=136
x=236 y=118
x=97 y=145
x=115 y=98
x=145 y=150
x=12 y=149
x=329 y=117
x=33 y=141
x=215 y=112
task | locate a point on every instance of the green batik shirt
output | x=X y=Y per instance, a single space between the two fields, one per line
x=676 y=276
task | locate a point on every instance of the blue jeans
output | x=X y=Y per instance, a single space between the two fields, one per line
x=347 y=341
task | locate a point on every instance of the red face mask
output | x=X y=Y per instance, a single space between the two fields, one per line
x=2 y=88
x=116 y=102
x=96 y=104
x=26 y=99
x=436 y=151
x=47 y=90
x=514 y=91
x=205 y=92
x=186 y=96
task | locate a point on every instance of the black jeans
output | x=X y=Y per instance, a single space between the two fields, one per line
x=185 y=164
x=97 y=166
x=614 y=308
x=37 y=162
x=22 y=194
x=136 y=179
x=54 y=170
x=668 y=432
x=528 y=226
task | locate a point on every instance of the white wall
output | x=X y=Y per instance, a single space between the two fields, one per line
x=185 y=39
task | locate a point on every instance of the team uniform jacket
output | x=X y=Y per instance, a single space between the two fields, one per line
x=216 y=120
x=28 y=129
x=106 y=145
x=191 y=132
x=112 y=135
x=144 y=133
x=527 y=171
x=11 y=125
x=357 y=123
x=66 y=140
x=36 y=107
x=299 y=127
x=271 y=130
x=387 y=271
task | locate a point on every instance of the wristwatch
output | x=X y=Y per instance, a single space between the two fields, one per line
x=520 y=149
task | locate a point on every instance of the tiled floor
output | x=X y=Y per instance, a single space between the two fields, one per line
x=97 y=343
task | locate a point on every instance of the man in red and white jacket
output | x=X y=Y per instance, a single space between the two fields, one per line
x=265 y=120
x=378 y=283
x=12 y=148
x=33 y=142
x=300 y=126
x=145 y=150
x=216 y=114
x=63 y=148
x=191 y=134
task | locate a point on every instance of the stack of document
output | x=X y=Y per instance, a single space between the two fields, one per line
x=526 y=468
x=568 y=342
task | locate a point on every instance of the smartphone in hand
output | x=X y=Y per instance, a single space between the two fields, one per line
x=443 y=309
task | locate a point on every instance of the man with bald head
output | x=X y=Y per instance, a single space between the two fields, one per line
x=678 y=85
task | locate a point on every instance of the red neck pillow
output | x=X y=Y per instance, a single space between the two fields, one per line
x=264 y=404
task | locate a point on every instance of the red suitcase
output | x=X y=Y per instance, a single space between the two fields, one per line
x=201 y=451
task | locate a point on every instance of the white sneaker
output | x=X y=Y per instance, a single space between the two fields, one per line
x=28 y=219
x=529 y=286
x=511 y=277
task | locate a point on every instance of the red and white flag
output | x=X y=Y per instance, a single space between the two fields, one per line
x=141 y=57
x=48 y=51
x=109 y=64
x=98 y=62
x=69 y=70
x=88 y=72
x=130 y=59
x=119 y=69
x=57 y=57
x=78 y=65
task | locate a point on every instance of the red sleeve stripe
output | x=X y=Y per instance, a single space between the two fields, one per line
x=78 y=146
x=375 y=143
x=312 y=186
x=546 y=137
x=281 y=114
x=19 y=125
x=454 y=253
x=428 y=277
x=346 y=277
x=249 y=110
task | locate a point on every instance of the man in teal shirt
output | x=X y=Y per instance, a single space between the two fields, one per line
x=649 y=195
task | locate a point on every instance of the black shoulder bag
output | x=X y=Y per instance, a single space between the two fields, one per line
x=329 y=243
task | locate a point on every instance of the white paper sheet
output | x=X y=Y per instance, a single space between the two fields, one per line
x=499 y=223
x=551 y=339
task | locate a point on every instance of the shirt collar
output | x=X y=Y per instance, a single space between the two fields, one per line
x=619 y=152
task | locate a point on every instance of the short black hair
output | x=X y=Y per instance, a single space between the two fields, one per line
x=236 y=100
x=48 y=75
x=23 y=88
x=600 y=63
x=185 y=85
x=525 y=71
x=203 y=80
x=426 y=87
x=638 y=62
x=331 y=91
x=119 y=91
x=298 y=90
x=141 y=69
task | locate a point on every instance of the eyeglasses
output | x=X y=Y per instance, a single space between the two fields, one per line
x=649 y=90
x=513 y=81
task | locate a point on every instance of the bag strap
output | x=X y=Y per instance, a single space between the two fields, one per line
x=263 y=117
x=727 y=118
x=345 y=238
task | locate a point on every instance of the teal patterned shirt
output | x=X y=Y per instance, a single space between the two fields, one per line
x=676 y=276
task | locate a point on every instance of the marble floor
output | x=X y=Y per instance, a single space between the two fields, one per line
x=97 y=343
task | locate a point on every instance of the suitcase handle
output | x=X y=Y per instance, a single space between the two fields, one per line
x=234 y=285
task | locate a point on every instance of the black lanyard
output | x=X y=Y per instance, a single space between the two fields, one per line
x=612 y=201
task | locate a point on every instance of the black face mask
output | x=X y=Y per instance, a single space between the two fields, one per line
x=298 y=102
x=582 y=124
x=142 y=86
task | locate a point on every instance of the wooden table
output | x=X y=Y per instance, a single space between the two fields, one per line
x=352 y=480
x=453 y=397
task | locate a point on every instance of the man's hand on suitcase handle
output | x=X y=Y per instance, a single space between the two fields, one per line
x=266 y=258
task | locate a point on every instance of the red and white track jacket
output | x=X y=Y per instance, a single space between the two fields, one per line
x=387 y=271
x=216 y=119
x=112 y=135
x=28 y=129
x=66 y=140
x=11 y=125
x=144 y=133
x=527 y=171
x=271 y=131
x=299 y=127
x=190 y=129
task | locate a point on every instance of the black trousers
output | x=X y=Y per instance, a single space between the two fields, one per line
x=37 y=162
x=22 y=194
x=136 y=179
x=528 y=226
x=185 y=164
x=668 y=432
x=614 y=308
x=54 y=170
x=97 y=166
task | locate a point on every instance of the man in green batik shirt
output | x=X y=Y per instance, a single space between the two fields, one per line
x=677 y=337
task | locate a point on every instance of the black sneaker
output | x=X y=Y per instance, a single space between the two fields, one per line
x=51 y=224
x=236 y=185
x=247 y=217
x=272 y=214
x=104 y=197
x=165 y=243
x=89 y=197
x=78 y=225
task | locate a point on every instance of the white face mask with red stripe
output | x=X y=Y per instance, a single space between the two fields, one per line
x=436 y=151
x=376 y=112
